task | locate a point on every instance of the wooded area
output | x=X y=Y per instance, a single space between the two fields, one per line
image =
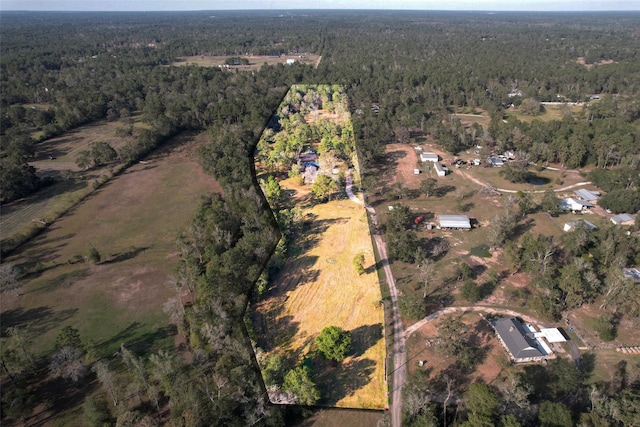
x=404 y=74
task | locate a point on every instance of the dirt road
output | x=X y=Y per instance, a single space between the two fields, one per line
x=399 y=351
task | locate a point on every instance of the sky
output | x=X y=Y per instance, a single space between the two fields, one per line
x=175 y=5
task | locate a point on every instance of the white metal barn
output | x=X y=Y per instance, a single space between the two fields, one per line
x=454 y=221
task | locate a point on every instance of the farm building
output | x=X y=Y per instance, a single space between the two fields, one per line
x=589 y=196
x=440 y=170
x=519 y=340
x=429 y=157
x=573 y=225
x=632 y=273
x=454 y=221
x=623 y=219
x=574 y=205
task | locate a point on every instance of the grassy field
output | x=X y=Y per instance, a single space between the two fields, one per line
x=319 y=287
x=551 y=112
x=56 y=158
x=255 y=62
x=133 y=222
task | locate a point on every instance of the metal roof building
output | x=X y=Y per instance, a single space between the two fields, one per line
x=572 y=225
x=587 y=195
x=454 y=221
x=622 y=218
x=429 y=157
x=518 y=341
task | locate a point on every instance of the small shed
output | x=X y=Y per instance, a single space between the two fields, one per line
x=571 y=204
x=429 y=157
x=454 y=221
x=623 y=219
x=589 y=196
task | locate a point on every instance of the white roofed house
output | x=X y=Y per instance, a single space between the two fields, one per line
x=440 y=170
x=574 y=205
x=454 y=222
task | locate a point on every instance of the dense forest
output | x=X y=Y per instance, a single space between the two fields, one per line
x=403 y=73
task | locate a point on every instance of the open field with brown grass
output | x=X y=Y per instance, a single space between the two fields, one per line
x=551 y=112
x=255 y=62
x=133 y=222
x=319 y=287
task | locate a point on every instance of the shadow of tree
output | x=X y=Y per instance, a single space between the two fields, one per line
x=364 y=337
x=121 y=337
x=39 y=320
x=344 y=380
x=123 y=256
x=63 y=280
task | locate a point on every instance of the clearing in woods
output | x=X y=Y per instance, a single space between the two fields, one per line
x=255 y=62
x=133 y=222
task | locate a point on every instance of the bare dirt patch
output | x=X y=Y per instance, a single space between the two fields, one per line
x=404 y=159
x=582 y=61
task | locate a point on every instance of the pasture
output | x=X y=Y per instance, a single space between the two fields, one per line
x=133 y=222
x=55 y=158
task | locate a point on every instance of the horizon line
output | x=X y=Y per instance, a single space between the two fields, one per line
x=328 y=10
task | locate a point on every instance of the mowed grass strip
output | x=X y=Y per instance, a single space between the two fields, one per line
x=319 y=287
x=133 y=221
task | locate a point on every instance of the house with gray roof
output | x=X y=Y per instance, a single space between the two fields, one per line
x=518 y=340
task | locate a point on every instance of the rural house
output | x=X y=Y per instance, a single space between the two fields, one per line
x=440 y=170
x=519 y=340
x=623 y=219
x=454 y=221
x=571 y=204
x=589 y=196
x=429 y=157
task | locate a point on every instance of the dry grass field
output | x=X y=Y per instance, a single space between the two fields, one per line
x=319 y=287
x=133 y=222
x=255 y=62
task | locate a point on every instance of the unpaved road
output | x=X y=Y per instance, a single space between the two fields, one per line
x=399 y=351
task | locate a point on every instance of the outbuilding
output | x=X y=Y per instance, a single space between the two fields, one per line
x=589 y=196
x=584 y=224
x=571 y=204
x=496 y=162
x=429 y=157
x=454 y=221
x=623 y=219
